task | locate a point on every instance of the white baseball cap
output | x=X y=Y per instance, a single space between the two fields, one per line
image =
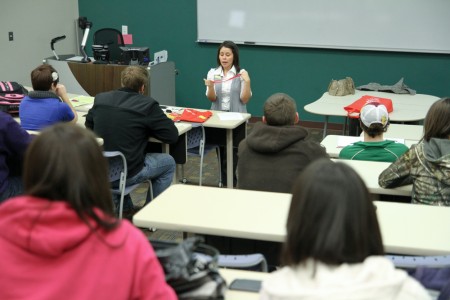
x=374 y=113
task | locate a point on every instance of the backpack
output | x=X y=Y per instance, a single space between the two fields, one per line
x=11 y=93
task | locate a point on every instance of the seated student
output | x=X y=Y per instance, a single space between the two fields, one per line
x=14 y=141
x=61 y=241
x=136 y=118
x=48 y=103
x=427 y=164
x=374 y=121
x=276 y=150
x=333 y=247
x=270 y=158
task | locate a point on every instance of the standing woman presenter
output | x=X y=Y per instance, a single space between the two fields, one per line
x=228 y=88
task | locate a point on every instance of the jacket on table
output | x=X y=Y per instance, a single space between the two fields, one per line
x=427 y=166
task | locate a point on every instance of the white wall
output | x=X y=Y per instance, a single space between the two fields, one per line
x=34 y=23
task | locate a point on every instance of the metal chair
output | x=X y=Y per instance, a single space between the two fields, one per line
x=254 y=262
x=118 y=172
x=112 y=38
x=411 y=262
x=197 y=146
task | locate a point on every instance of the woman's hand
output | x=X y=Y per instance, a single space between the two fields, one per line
x=244 y=76
x=210 y=91
x=208 y=83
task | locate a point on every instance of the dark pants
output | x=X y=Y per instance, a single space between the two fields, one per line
x=218 y=136
x=354 y=129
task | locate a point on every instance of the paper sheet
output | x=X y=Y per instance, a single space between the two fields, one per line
x=229 y=116
x=81 y=100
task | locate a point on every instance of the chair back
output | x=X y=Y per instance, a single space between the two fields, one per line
x=412 y=261
x=113 y=39
x=253 y=262
x=117 y=171
x=195 y=137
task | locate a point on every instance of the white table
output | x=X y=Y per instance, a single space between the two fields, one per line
x=214 y=122
x=333 y=148
x=369 y=172
x=229 y=125
x=404 y=131
x=407 y=108
x=406 y=228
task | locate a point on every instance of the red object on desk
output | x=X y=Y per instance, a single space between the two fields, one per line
x=196 y=116
x=354 y=109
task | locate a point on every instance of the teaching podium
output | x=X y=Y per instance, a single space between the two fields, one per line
x=91 y=79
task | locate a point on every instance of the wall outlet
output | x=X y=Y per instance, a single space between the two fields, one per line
x=160 y=56
x=11 y=36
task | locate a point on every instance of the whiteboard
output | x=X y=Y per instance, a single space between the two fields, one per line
x=387 y=25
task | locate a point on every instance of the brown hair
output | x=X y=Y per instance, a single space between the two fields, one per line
x=234 y=48
x=134 y=77
x=280 y=109
x=437 y=120
x=375 y=129
x=331 y=218
x=42 y=79
x=65 y=163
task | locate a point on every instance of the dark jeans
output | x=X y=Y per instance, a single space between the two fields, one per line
x=218 y=136
x=14 y=187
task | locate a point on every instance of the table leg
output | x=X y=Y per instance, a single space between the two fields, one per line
x=229 y=152
x=325 y=127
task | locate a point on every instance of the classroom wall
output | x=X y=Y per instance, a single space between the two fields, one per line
x=304 y=73
x=34 y=23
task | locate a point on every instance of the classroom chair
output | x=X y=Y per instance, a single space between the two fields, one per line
x=118 y=172
x=112 y=38
x=412 y=261
x=253 y=262
x=197 y=146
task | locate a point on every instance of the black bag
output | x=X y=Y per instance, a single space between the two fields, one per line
x=191 y=268
x=11 y=93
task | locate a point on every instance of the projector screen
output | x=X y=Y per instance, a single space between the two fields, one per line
x=386 y=25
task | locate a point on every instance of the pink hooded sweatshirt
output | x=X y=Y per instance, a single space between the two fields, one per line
x=48 y=252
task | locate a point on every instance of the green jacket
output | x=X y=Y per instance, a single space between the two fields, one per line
x=427 y=166
x=386 y=150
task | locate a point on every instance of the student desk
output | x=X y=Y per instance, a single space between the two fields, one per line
x=331 y=143
x=403 y=131
x=407 y=108
x=229 y=125
x=406 y=228
x=215 y=121
x=369 y=172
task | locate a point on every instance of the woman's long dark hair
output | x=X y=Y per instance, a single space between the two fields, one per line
x=437 y=120
x=65 y=163
x=331 y=218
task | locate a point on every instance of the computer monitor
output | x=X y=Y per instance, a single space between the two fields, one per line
x=135 y=55
x=101 y=52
